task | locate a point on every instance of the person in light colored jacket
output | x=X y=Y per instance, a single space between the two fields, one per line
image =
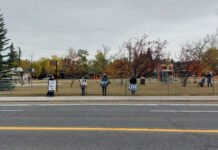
x=83 y=86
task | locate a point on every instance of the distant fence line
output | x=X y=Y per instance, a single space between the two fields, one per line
x=118 y=87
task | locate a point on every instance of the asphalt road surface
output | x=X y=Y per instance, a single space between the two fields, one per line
x=108 y=127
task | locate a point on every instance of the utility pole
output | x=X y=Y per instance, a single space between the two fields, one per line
x=31 y=69
x=55 y=63
x=57 y=75
x=19 y=54
x=130 y=59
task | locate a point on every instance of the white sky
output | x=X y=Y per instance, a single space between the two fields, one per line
x=50 y=27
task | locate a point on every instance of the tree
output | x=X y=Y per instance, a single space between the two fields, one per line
x=37 y=69
x=4 y=54
x=56 y=69
x=210 y=60
x=213 y=39
x=82 y=54
x=82 y=62
x=149 y=64
x=195 y=56
x=118 y=68
x=141 y=51
x=191 y=57
x=45 y=67
x=101 y=62
x=13 y=57
x=70 y=63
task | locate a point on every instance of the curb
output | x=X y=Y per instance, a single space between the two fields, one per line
x=114 y=99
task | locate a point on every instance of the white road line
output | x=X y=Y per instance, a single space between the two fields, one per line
x=185 y=111
x=103 y=104
x=14 y=105
x=10 y=110
x=86 y=104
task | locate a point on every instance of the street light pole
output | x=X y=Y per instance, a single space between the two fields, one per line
x=213 y=84
x=19 y=54
x=57 y=75
x=213 y=80
x=31 y=81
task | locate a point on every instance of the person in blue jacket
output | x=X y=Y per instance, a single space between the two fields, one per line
x=104 y=83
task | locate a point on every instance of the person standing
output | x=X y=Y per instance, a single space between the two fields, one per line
x=51 y=86
x=209 y=78
x=29 y=77
x=83 y=86
x=104 y=83
x=132 y=85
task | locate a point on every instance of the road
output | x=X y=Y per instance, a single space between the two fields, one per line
x=108 y=126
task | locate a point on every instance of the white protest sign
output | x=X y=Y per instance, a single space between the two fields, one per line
x=51 y=85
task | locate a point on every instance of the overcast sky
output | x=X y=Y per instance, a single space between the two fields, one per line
x=50 y=27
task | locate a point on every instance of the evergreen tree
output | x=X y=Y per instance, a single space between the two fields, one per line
x=12 y=57
x=4 y=54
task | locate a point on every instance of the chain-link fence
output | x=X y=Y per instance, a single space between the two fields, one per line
x=118 y=87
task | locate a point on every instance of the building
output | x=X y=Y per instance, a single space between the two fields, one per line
x=164 y=71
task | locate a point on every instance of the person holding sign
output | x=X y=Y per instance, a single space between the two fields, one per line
x=104 y=83
x=83 y=85
x=133 y=85
x=51 y=86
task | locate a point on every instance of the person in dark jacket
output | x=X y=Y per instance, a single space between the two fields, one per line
x=209 y=78
x=201 y=83
x=104 y=83
x=133 y=85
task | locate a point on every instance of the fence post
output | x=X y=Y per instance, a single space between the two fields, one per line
x=11 y=86
x=125 y=87
x=168 y=84
x=213 y=86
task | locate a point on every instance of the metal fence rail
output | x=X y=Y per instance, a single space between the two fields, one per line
x=118 y=87
x=6 y=85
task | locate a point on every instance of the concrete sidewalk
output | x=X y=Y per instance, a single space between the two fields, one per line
x=121 y=99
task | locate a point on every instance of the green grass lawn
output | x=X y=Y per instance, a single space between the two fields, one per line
x=151 y=88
